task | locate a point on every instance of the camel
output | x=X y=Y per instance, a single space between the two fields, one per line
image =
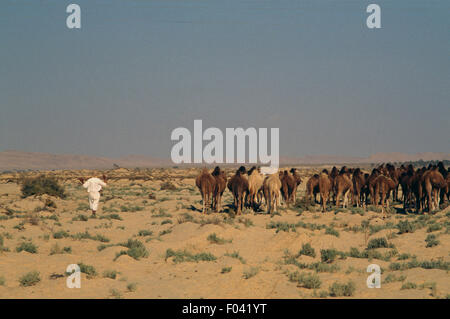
x=205 y=183
x=271 y=188
x=333 y=174
x=358 y=180
x=383 y=186
x=238 y=186
x=417 y=188
x=324 y=188
x=219 y=188
x=371 y=184
x=288 y=184
x=343 y=186
x=298 y=181
x=433 y=182
x=255 y=183
x=312 y=187
x=406 y=180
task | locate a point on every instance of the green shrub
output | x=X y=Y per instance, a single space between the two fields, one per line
x=378 y=243
x=310 y=281
x=112 y=274
x=328 y=255
x=88 y=270
x=249 y=273
x=136 y=249
x=28 y=247
x=41 y=185
x=30 y=279
x=431 y=241
x=405 y=226
x=226 y=270
x=213 y=238
x=185 y=256
x=339 y=290
x=307 y=250
x=409 y=285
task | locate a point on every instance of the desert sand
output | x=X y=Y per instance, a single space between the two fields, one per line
x=254 y=255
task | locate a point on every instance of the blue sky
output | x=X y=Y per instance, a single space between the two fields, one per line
x=138 y=69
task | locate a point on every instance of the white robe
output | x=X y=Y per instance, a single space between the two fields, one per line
x=94 y=186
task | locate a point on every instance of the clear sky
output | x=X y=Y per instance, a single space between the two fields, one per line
x=138 y=69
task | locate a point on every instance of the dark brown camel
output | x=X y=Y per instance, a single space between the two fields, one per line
x=238 y=186
x=288 y=184
x=312 y=187
x=219 y=188
x=358 y=180
x=298 y=181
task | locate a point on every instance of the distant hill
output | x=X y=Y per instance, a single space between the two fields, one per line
x=17 y=160
x=375 y=158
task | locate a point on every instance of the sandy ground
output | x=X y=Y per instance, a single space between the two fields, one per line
x=170 y=219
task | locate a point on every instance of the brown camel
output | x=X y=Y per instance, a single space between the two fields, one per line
x=371 y=184
x=433 y=182
x=383 y=187
x=358 y=180
x=288 y=184
x=324 y=188
x=343 y=186
x=219 y=188
x=238 y=186
x=298 y=181
x=312 y=187
x=271 y=188
x=406 y=181
x=205 y=183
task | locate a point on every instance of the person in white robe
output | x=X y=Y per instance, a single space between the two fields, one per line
x=94 y=186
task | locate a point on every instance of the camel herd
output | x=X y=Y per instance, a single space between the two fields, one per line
x=423 y=187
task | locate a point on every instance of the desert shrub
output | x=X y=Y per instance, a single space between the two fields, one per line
x=185 y=256
x=307 y=250
x=56 y=249
x=145 y=232
x=251 y=272
x=225 y=270
x=60 y=234
x=213 y=238
x=236 y=255
x=88 y=270
x=2 y=281
x=339 y=290
x=41 y=185
x=132 y=287
x=168 y=186
x=431 y=241
x=378 y=243
x=112 y=274
x=409 y=285
x=328 y=255
x=332 y=231
x=434 y=227
x=80 y=218
x=30 y=279
x=281 y=226
x=405 y=226
x=28 y=247
x=310 y=281
x=136 y=249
